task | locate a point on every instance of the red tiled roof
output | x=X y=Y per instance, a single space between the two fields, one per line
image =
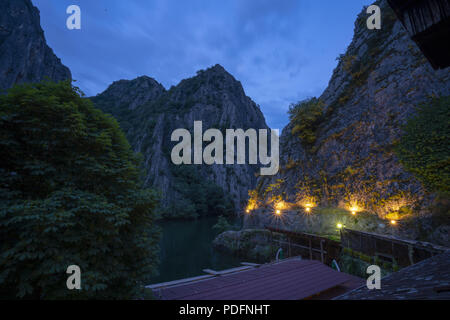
x=287 y=280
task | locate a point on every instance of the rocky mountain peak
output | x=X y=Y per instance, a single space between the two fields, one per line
x=216 y=71
x=123 y=95
x=214 y=97
x=217 y=68
x=214 y=80
x=24 y=54
x=142 y=81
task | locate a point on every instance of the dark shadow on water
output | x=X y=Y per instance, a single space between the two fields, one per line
x=186 y=249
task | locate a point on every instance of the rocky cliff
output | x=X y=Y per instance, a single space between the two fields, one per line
x=24 y=54
x=342 y=153
x=149 y=114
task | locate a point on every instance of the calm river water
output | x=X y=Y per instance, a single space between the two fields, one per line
x=186 y=249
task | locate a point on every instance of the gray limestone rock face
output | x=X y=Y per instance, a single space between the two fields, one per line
x=149 y=114
x=375 y=88
x=24 y=54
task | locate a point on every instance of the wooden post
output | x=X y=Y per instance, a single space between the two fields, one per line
x=375 y=245
x=360 y=243
x=321 y=250
x=310 y=249
x=411 y=254
x=290 y=255
x=271 y=243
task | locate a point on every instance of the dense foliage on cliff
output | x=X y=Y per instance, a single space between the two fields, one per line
x=70 y=194
x=424 y=149
x=305 y=117
x=198 y=197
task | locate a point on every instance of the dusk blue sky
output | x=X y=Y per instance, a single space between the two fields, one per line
x=282 y=51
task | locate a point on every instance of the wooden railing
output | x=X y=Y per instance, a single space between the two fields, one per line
x=402 y=252
x=307 y=245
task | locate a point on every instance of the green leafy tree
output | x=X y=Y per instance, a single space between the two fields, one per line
x=70 y=194
x=424 y=147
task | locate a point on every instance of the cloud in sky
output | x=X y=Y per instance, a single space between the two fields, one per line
x=281 y=50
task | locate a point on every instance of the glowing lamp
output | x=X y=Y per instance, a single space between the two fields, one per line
x=339 y=225
x=308 y=209
x=353 y=212
x=278 y=212
x=248 y=211
x=393 y=222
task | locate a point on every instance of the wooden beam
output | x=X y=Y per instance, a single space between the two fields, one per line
x=177 y=282
x=250 y=264
x=303 y=235
x=299 y=246
x=220 y=273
